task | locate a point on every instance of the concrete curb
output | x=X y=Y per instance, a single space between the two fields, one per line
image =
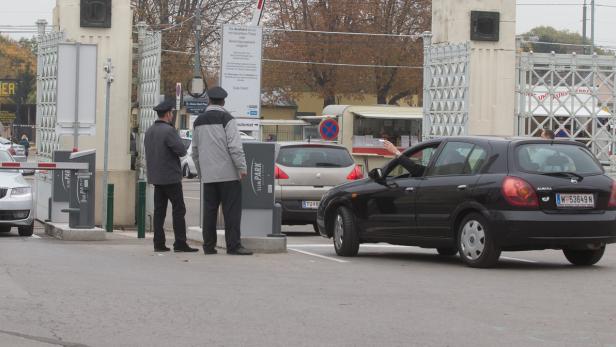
x=63 y=232
x=257 y=244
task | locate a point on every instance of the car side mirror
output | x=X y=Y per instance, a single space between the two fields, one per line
x=376 y=174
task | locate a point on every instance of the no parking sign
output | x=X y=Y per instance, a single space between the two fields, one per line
x=329 y=129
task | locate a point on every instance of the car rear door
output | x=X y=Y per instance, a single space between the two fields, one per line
x=446 y=185
x=566 y=177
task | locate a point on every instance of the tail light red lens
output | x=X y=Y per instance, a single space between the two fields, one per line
x=356 y=174
x=519 y=193
x=12 y=151
x=612 y=202
x=279 y=174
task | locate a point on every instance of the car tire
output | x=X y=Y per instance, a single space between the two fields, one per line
x=447 y=251
x=476 y=243
x=316 y=228
x=26 y=230
x=584 y=257
x=346 y=240
x=5 y=228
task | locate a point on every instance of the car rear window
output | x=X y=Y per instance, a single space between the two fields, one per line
x=314 y=156
x=551 y=158
x=4 y=157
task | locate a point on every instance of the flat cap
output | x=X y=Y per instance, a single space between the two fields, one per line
x=217 y=93
x=165 y=106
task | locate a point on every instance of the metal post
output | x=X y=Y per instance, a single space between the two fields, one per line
x=76 y=122
x=141 y=33
x=197 y=64
x=110 y=198
x=109 y=77
x=141 y=209
x=592 y=26
x=584 y=27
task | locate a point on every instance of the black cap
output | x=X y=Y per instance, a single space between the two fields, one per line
x=217 y=93
x=165 y=106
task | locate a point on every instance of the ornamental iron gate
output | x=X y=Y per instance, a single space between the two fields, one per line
x=446 y=94
x=46 y=103
x=149 y=86
x=571 y=94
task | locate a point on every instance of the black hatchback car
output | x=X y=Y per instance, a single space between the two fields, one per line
x=479 y=196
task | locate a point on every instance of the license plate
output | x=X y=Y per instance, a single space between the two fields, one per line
x=310 y=204
x=575 y=200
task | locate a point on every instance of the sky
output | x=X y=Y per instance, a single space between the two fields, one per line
x=561 y=14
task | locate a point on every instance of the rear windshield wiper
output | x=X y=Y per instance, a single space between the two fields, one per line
x=564 y=174
x=326 y=165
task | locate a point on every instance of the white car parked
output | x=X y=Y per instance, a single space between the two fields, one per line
x=16 y=201
x=189 y=170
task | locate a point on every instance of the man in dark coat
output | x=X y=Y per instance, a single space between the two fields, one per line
x=163 y=150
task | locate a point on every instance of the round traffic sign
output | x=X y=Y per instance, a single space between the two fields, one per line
x=329 y=129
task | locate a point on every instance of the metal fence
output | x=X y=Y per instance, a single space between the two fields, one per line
x=446 y=94
x=571 y=94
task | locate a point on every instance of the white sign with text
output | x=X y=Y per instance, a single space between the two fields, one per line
x=241 y=69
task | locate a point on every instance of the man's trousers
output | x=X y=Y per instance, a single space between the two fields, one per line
x=230 y=195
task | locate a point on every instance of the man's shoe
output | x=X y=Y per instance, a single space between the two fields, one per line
x=162 y=249
x=210 y=251
x=239 y=251
x=185 y=248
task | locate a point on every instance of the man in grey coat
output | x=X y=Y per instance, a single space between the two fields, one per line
x=163 y=150
x=221 y=164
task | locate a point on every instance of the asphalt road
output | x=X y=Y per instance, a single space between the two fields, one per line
x=119 y=293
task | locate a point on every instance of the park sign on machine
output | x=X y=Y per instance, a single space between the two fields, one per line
x=241 y=69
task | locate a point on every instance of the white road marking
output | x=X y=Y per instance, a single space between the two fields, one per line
x=318 y=255
x=522 y=260
x=322 y=245
x=35 y=236
x=191 y=198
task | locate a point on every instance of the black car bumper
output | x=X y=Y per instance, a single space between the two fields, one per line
x=520 y=230
x=294 y=214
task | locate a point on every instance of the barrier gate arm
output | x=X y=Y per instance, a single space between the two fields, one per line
x=45 y=166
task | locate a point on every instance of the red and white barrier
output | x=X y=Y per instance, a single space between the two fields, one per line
x=44 y=166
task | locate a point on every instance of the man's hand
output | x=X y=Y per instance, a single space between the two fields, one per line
x=242 y=175
x=390 y=147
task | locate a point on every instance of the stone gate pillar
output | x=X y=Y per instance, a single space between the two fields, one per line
x=114 y=40
x=491 y=84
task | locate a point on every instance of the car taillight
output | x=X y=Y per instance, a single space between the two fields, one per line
x=519 y=193
x=612 y=202
x=279 y=174
x=356 y=174
x=12 y=151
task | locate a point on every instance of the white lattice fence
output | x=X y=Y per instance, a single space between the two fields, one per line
x=46 y=103
x=573 y=95
x=446 y=95
x=149 y=87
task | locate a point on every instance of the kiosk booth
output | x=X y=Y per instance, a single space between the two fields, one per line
x=362 y=126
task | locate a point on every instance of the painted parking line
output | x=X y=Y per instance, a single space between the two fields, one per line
x=317 y=255
x=521 y=260
x=35 y=236
x=191 y=198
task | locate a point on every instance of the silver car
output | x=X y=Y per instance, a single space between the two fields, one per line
x=304 y=172
x=17 y=151
x=16 y=201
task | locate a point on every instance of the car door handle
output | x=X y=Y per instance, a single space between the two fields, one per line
x=462 y=187
x=409 y=189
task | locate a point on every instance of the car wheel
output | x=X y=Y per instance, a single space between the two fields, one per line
x=316 y=228
x=447 y=251
x=475 y=242
x=346 y=240
x=5 y=228
x=26 y=230
x=585 y=257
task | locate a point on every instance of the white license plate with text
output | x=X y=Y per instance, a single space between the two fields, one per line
x=575 y=200
x=310 y=204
